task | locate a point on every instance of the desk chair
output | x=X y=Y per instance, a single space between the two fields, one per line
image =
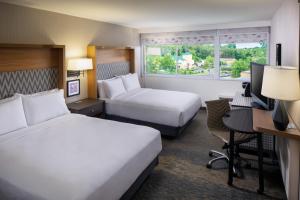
x=216 y=109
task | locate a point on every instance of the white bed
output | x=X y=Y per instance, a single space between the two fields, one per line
x=75 y=157
x=170 y=108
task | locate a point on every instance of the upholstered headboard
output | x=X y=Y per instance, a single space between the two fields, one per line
x=110 y=70
x=28 y=69
x=108 y=63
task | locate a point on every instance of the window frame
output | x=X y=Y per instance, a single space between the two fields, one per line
x=217 y=65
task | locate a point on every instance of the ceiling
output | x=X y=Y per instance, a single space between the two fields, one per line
x=160 y=13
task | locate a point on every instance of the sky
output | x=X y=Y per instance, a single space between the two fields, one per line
x=247 y=45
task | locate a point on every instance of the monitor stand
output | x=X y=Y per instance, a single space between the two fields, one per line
x=257 y=105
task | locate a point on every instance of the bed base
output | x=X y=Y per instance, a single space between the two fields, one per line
x=140 y=180
x=166 y=131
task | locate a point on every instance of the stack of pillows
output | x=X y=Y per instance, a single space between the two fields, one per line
x=114 y=87
x=21 y=111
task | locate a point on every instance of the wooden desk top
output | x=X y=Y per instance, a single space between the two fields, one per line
x=263 y=122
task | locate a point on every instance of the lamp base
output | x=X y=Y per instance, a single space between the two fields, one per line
x=280 y=117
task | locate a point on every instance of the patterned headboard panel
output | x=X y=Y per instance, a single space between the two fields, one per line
x=110 y=70
x=27 y=81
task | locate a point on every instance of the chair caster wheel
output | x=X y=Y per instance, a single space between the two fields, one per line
x=208 y=166
x=210 y=154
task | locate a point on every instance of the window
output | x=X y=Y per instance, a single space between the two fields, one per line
x=235 y=58
x=180 y=59
x=224 y=54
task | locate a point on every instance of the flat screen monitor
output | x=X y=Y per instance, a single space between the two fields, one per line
x=260 y=101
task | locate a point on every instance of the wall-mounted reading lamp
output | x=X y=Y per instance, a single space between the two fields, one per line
x=76 y=66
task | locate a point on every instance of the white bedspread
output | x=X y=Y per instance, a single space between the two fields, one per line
x=165 y=107
x=75 y=157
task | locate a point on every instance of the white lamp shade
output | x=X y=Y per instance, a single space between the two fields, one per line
x=281 y=83
x=80 y=64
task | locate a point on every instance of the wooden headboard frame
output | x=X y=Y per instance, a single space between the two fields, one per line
x=18 y=57
x=106 y=55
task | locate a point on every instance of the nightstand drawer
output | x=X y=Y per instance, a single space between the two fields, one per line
x=92 y=110
x=89 y=107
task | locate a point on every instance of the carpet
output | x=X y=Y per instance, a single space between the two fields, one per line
x=182 y=172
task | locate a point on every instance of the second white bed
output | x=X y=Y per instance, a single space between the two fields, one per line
x=170 y=108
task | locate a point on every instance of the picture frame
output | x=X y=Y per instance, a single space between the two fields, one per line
x=73 y=87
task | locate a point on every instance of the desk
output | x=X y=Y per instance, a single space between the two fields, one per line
x=262 y=122
x=241 y=120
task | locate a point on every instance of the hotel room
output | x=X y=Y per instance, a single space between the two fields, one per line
x=105 y=100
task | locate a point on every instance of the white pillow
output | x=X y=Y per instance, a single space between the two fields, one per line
x=131 y=81
x=40 y=108
x=41 y=93
x=113 y=87
x=101 y=90
x=12 y=115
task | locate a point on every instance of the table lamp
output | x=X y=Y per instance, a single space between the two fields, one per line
x=282 y=84
x=76 y=65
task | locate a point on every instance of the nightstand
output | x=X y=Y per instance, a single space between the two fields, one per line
x=88 y=107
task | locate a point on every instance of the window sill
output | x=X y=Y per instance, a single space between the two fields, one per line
x=235 y=79
x=181 y=76
x=198 y=77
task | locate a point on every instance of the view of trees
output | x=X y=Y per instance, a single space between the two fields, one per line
x=187 y=59
x=235 y=60
x=199 y=59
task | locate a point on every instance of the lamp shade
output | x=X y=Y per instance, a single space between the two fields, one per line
x=281 y=83
x=80 y=64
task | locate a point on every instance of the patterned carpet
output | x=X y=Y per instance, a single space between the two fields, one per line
x=182 y=172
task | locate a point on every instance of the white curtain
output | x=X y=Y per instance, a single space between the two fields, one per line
x=244 y=35
x=189 y=37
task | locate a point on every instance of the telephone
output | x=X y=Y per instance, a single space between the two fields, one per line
x=247 y=87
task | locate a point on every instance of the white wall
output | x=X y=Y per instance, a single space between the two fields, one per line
x=207 y=89
x=285 y=30
x=32 y=26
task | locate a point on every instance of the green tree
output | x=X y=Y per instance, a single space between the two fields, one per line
x=228 y=52
x=239 y=66
x=231 y=46
x=208 y=62
x=167 y=63
x=153 y=63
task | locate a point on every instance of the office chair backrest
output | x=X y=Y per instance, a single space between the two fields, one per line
x=216 y=109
